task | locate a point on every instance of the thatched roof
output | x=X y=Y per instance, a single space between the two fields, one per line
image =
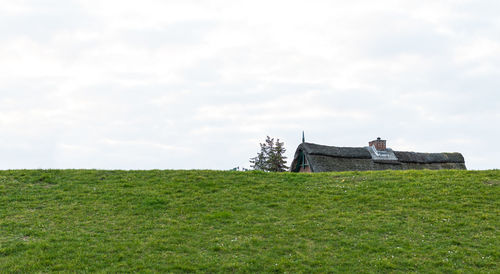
x=429 y=158
x=327 y=158
x=341 y=152
x=320 y=157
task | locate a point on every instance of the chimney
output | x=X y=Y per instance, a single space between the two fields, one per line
x=379 y=144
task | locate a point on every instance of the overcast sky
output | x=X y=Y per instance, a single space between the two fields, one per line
x=198 y=84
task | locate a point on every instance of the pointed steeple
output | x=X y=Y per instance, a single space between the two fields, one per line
x=303 y=138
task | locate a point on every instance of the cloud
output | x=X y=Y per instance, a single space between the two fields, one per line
x=184 y=84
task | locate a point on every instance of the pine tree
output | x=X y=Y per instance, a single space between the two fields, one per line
x=271 y=156
x=278 y=158
x=259 y=162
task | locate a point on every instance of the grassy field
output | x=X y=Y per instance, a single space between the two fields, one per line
x=214 y=221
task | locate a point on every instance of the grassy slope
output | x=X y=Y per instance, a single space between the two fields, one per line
x=384 y=221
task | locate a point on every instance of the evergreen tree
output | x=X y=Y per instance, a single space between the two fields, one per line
x=271 y=156
x=259 y=162
x=278 y=158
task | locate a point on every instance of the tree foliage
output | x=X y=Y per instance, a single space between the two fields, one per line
x=271 y=156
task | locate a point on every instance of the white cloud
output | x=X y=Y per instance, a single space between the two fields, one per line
x=167 y=84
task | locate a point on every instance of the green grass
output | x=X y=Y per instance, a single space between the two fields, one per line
x=214 y=221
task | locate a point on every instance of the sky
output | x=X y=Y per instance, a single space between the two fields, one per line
x=164 y=84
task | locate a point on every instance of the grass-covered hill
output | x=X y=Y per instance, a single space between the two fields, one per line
x=213 y=221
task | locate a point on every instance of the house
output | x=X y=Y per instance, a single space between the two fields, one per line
x=311 y=157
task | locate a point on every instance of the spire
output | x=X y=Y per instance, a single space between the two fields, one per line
x=303 y=138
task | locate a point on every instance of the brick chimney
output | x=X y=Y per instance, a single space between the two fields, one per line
x=379 y=144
